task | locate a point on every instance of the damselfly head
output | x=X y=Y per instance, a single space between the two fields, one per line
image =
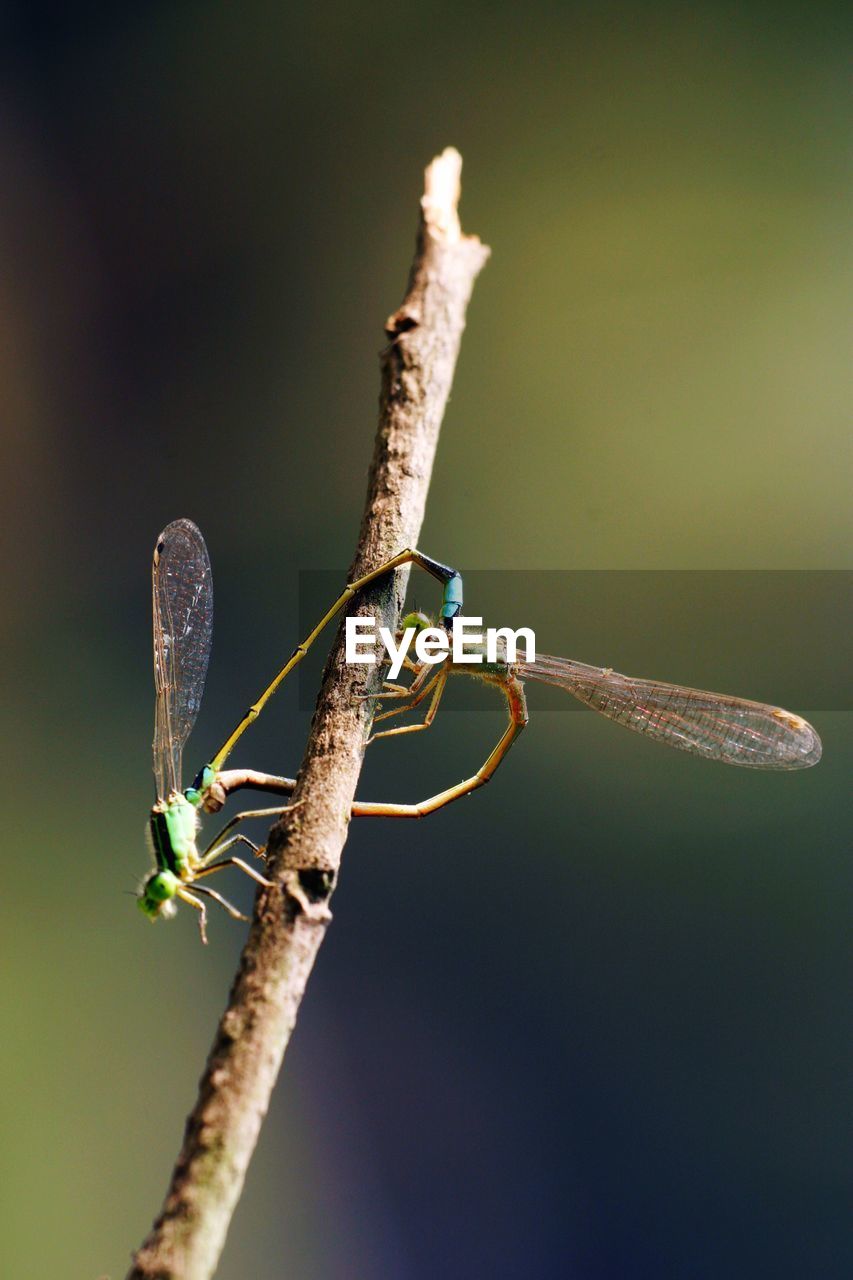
x=419 y=621
x=157 y=895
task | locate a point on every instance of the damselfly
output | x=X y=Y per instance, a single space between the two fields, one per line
x=182 y=599
x=713 y=726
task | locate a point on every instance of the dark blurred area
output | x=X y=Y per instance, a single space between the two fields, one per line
x=594 y=1021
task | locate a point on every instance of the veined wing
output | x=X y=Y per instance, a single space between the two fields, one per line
x=713 y=725
x=182 y=596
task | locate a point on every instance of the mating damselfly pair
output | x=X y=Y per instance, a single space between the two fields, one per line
x=711 y=725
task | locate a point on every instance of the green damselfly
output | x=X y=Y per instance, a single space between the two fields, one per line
x=182 y=605
x=182 y=600
x=710 y=725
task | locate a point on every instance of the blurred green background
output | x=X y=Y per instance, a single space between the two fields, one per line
x=595 y=1022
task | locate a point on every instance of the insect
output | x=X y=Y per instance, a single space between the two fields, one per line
x=714 y=726
x=710 y=725
x=182 y=603
x=182 y=598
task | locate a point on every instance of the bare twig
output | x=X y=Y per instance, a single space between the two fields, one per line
x=305 y=848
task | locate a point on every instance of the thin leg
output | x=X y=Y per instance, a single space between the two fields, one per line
x=192 y=900
x=215 y=847
x=239 y=838
x=409 y=556
x=517 y=707
x=439 y=682
x=234 y=862
x=223 y=902
x=394 y=711
x=420 y=691
x=388 y=690
x=421 y=670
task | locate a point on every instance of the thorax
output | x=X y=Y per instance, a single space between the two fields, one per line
x=173 y=826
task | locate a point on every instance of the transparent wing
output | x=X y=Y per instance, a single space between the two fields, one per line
x=182 y=595
x=712 y=725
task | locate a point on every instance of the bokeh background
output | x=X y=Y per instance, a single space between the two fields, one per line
x=595 y=1022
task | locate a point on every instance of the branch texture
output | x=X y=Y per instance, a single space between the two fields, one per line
x=305 y=848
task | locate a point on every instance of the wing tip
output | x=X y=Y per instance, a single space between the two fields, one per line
x=806 y=747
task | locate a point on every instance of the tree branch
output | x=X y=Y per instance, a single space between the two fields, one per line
x=305 y=848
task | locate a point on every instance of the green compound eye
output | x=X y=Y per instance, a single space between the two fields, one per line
x=161 y=886
x=419 y=621
x=157 y=890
